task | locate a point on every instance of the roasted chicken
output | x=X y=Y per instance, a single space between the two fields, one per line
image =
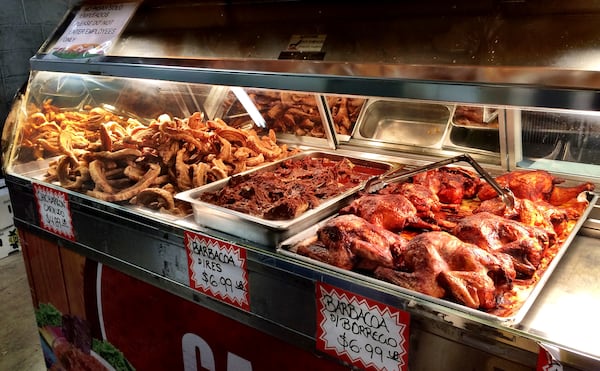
x=440 y=265
x=563 y=195
x=451 y=184
x=424 y=199
x=535 y=185
x=390 y=211
x=524 y=244
x=532 y=185
x=350 y=242
x=448 y=244
x=539 y=214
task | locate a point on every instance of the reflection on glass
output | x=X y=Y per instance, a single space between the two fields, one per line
x=561 y=136
x=561 y=141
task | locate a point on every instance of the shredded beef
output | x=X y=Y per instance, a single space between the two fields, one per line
x=286 y=192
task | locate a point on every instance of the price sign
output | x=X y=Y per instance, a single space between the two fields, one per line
x=218 y=268
x=54 y=211
x=368 y=334
x=93 y=30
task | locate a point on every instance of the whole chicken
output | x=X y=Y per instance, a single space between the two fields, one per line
x=450 y=184
x=440 y=265
x=524 y=244
x=424 y=199
x=390 y=211
x=535 y=185
x=349 y=242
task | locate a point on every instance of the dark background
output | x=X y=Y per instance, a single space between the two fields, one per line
x=24 y=25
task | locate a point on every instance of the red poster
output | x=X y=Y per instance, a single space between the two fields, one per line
x=159 y=331
x=368 y=334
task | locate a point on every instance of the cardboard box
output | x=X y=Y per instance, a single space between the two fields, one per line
x=6 y=213
x=9 y=241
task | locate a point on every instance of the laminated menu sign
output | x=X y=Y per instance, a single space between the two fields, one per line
x=54 y=211
x=368 y=334
x=218 y=269
x=93 y=30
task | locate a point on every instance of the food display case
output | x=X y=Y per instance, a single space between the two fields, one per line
x=211 y=186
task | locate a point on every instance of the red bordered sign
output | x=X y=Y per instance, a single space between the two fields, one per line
x=218 y=269
x=363 y=332
x=546 y=360
x=54 y=211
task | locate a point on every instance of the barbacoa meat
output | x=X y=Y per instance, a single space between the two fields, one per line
x=286 y=192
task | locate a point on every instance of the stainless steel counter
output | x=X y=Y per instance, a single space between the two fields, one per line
x=566 y=311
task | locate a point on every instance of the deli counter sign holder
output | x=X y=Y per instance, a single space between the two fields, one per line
x=218 y=269
x=54 y=211
x=94 y=30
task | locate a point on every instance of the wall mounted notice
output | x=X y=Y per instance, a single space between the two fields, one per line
x=54 y=211
x=368 y=334
x=94 y=30
x=305 y=47
x=218 y=269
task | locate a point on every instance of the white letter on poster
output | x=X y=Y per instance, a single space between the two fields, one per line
x=237 y=363
x=189 y=344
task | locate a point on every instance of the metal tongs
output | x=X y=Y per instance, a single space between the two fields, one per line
x=376 y=183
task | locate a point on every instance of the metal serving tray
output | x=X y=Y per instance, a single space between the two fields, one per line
x=491 y=114
x=527 y=295
x=404 y=122
x=473 y=136
x=270 y=233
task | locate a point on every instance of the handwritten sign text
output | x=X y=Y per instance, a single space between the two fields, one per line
x=218 y=269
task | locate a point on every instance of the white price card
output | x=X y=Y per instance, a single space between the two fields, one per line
x=218 y=269
x=54 y=211
x=94 y=29
x=363 y=332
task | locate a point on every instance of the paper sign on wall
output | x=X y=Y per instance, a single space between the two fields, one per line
x=305 y=47
x=93 y=30
x=368 y=334
x=218 y=269
x=54 y=211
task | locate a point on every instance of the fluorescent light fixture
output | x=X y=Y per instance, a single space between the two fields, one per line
x=245 y=100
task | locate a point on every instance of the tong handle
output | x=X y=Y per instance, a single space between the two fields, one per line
x=394 y=176
x=505 y=194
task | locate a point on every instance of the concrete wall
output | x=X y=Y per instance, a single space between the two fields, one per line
x=24 y=25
